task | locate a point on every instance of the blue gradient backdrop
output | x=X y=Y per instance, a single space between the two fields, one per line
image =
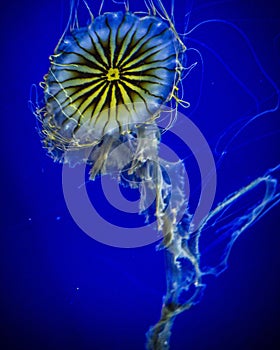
x=60 y=289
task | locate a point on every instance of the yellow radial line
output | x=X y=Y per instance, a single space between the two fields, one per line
x=95 y=44
x=98 y=47
x=128 y=102
x=141 y=91
x=89 y=101
x=140 y=56
x=153 y=65
x=112 y=43
x=89 y=56
x=146 y=79
x=100 y=104
x=112 y=112
x=136 y=48
x=75 y=67
x=79 y=82
x=81 y=53
x=80 y=92
x=114 y=104
x=125 y=43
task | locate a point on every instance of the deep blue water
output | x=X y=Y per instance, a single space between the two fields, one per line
x=60 y=289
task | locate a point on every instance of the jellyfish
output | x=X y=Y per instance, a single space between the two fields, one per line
x=106 y=81
x=110 y=85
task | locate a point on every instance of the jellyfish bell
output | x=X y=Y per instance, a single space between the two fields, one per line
x=106 y=80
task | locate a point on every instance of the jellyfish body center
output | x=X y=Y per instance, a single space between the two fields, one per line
x=113 y=74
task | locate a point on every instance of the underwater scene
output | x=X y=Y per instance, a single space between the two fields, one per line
x=140 y=175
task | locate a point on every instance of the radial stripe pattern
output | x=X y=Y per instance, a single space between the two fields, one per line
x=114 y=74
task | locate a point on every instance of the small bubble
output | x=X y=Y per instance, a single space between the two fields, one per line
x=58 y=218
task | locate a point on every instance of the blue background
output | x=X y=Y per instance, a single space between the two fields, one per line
x=60 y=289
